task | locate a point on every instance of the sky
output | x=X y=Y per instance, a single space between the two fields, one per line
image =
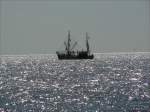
x=40 y=27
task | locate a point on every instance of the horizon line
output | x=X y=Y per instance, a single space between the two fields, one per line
x=32 y=54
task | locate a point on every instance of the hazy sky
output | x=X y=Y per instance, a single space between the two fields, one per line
x=28 y=27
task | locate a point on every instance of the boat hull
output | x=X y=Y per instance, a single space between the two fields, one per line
x=72 y=57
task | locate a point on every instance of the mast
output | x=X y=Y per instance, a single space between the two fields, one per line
x=69 y=40
x=87 y=43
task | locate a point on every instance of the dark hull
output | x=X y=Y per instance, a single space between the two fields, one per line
x=72 y=57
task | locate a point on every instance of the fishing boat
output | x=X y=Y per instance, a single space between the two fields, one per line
x=69 y=52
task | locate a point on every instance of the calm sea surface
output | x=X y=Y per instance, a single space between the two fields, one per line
x=108 y=83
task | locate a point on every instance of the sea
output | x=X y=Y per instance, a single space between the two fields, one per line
x=111 y=82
